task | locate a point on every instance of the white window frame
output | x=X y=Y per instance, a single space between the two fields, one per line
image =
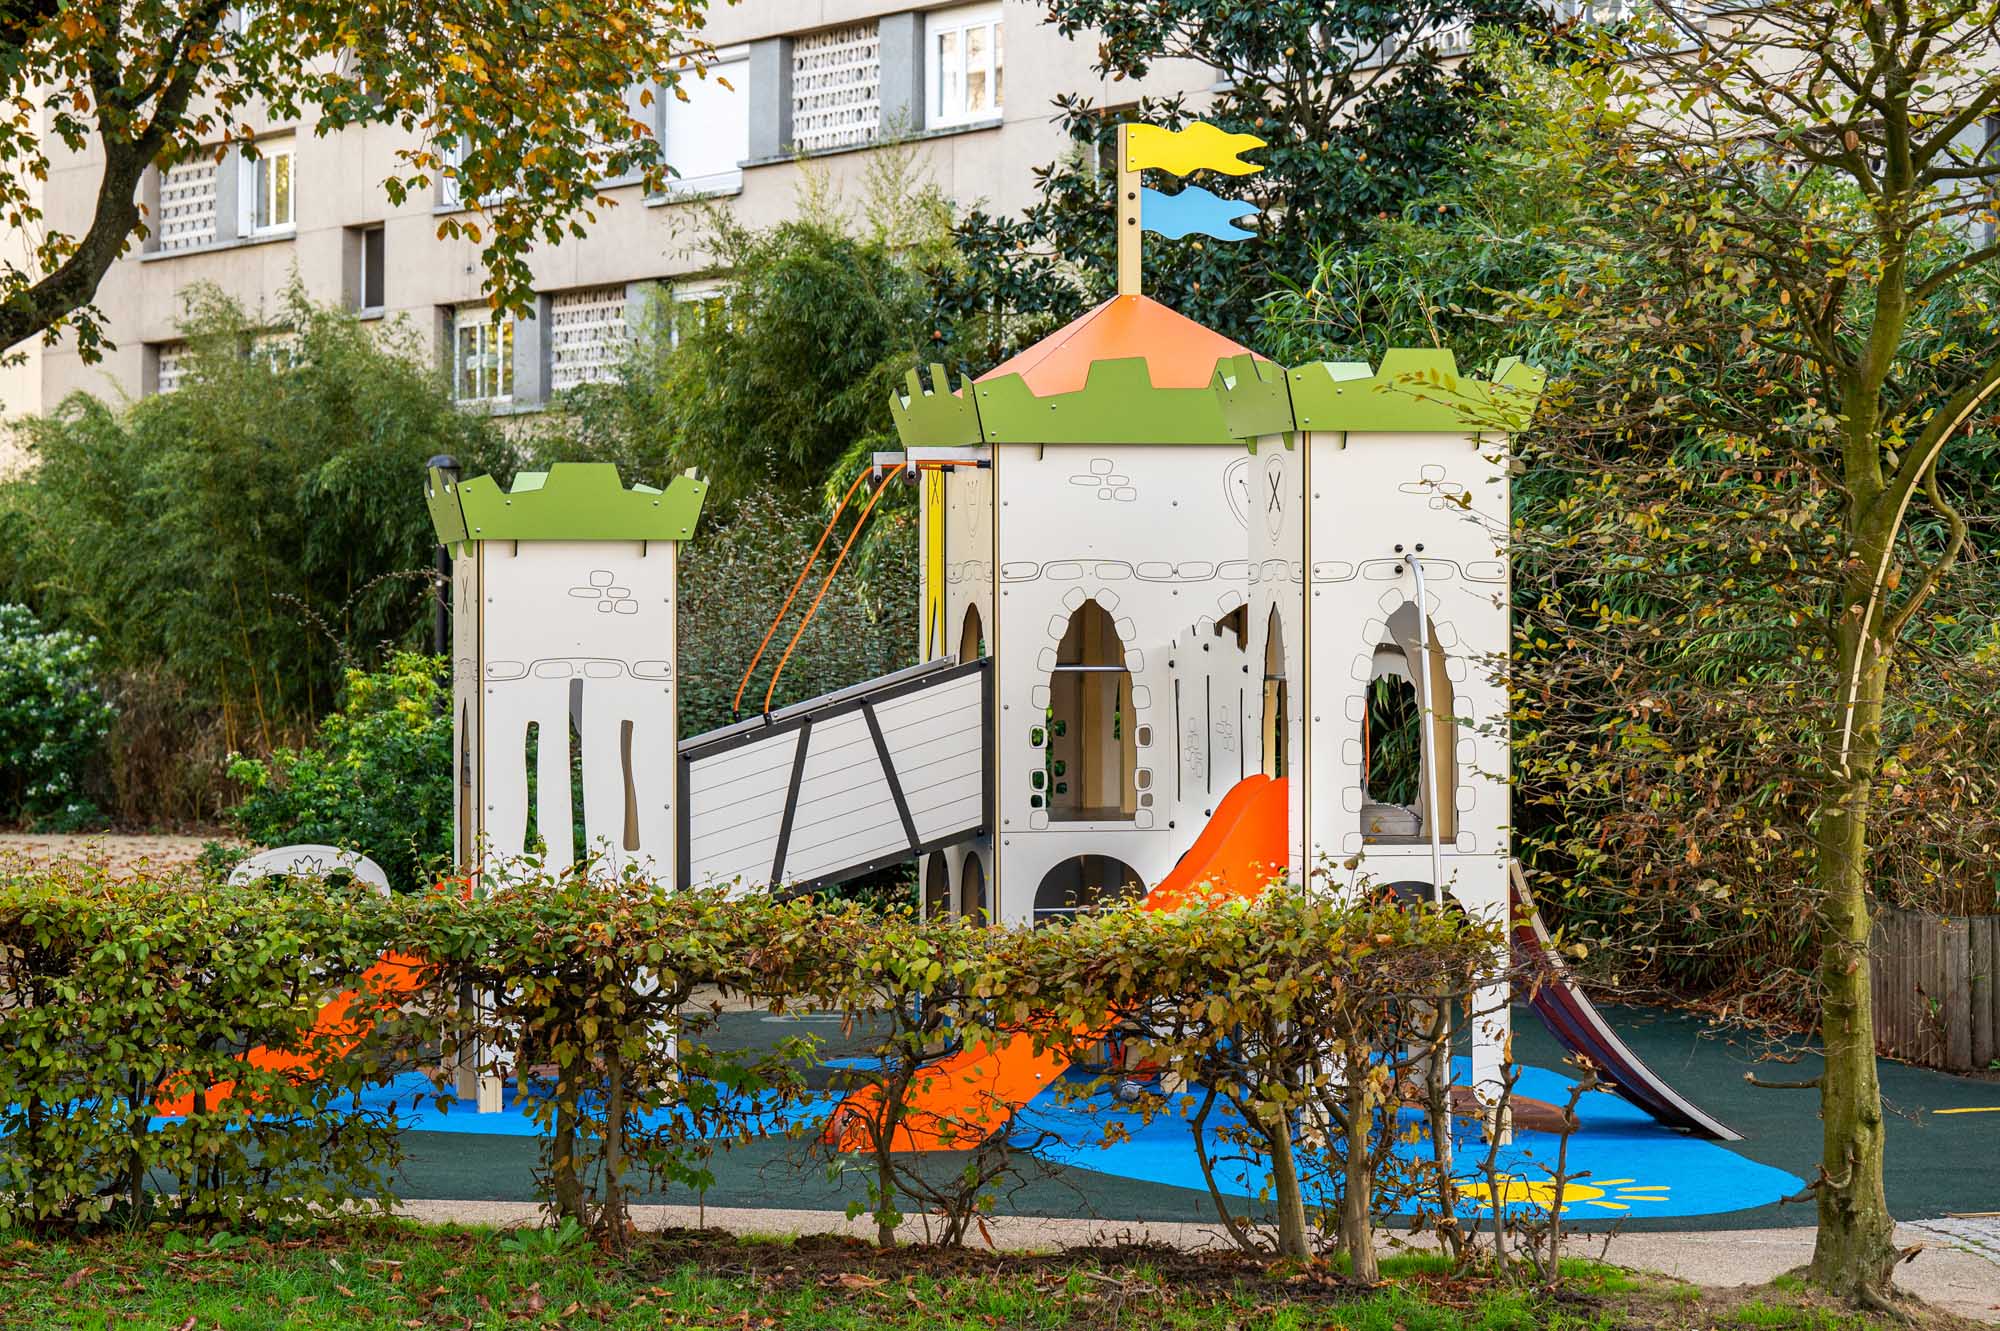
x=362 y=269
x=702 y=295
x=940 y=23
x=492 y=335
x=733 y=64
x=274 y=156
x=451 y=194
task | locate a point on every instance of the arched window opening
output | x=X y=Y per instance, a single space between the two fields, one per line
x=1397 y=788
x=1277 y=700
x=1085 y=883
x=937 y=887
x=972 y=890
x=1091 y=756
x=971 y=637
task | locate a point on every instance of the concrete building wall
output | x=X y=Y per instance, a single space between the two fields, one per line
x=987 y=159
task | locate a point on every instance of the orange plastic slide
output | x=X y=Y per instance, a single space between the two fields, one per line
x=341 y=1025
x=963 y=1099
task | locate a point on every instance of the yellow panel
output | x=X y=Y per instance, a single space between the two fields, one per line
x=934 y=579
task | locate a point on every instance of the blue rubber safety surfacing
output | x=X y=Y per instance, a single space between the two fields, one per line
x=1622 y=1165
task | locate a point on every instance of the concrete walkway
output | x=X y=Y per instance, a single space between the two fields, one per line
x=1955 y=1277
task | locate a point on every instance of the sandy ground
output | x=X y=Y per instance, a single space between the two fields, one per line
x=123 y=854
x=1958 y=1279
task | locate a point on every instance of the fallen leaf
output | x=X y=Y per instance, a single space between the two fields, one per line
x=855 y=1280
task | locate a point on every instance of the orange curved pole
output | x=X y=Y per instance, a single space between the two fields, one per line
x=736 y=703
x=820 y=595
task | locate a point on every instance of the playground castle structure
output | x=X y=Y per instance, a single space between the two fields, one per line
x=1158 y=570
x=1161 y=577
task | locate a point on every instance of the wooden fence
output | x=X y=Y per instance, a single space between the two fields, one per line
x=1936 y=998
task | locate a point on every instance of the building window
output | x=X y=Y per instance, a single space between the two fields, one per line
x=695 y=308
x=370 y=281
x=276 y=348
x=267 y=189
x=482 y=356
x=187 y=205
x=589 y=331
x=705 y=126
x=171 y=361
x=964 y=64
x=836 y=88
x=451 y=190
x=450 y=156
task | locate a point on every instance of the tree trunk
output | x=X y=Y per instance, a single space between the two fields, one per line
x=565 y=1189
x=611 y=1216
x=1293 y=1239
x=895 y=1102
x=1357 y=1200
x=1854 y=1255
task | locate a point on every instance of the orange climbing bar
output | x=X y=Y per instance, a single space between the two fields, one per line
x=736 y=703
x=827 y=582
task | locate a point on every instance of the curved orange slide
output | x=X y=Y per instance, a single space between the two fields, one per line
x=959 y=1101
x=341 y=1025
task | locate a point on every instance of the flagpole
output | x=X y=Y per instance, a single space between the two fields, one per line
x=1128 y=217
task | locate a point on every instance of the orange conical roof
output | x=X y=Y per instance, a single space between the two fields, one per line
x=1179 y=352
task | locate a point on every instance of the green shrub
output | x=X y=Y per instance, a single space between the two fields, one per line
x=592 y=981
x=52 y=720
x=121 y=995
x=377 y=779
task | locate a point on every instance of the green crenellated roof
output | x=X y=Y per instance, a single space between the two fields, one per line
x=571 y=501
x=1415 y=390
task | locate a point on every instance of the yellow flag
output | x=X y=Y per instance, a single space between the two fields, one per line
x=1199 y=147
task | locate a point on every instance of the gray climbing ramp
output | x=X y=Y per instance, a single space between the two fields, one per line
x=840 y=785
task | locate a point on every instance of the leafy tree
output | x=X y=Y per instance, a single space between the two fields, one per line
x=1460 y=269
x=734 y=577
x=1359 y=112
x=784 y=381
x=522 y=105
x=1781 y=289
x=256 y=532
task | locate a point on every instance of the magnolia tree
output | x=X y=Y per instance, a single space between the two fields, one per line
x=525 y=106
x=1779 y=302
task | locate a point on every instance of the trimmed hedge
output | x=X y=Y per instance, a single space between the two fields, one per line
x=112 y=992
x=600 y=996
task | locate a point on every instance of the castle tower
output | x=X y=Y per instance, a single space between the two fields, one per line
x=563 y=646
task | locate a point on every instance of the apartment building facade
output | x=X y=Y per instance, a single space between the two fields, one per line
x=797 y=85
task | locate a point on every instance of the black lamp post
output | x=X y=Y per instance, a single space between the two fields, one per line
x=441 y=617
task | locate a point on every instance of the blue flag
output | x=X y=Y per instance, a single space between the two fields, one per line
x=1193 y=210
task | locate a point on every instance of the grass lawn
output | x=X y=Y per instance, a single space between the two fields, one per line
x=382 y=1274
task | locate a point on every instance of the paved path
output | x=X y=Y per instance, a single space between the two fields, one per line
x=1973 y=1233
x=122 y=854
x=1948 y=1272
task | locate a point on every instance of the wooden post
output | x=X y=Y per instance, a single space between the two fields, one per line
x=1128 y=218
